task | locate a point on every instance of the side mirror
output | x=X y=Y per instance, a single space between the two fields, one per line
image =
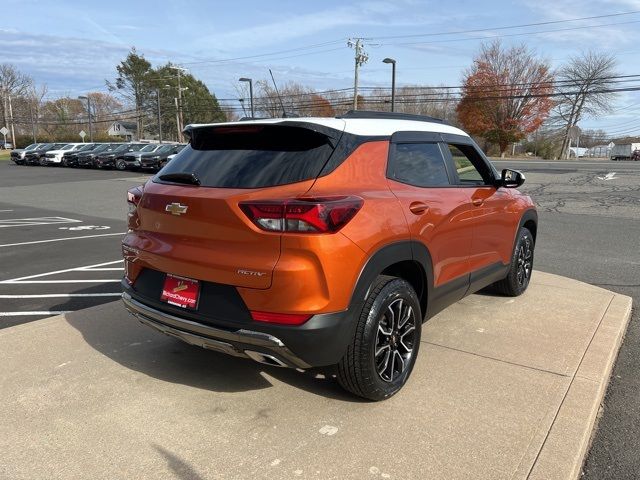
x=511 y=178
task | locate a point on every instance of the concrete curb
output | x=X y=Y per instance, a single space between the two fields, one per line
x=564 y=450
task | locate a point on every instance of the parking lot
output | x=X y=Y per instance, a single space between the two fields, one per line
x=60 y=229
x=59 y=239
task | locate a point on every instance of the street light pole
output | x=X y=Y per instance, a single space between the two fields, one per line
x=393 y=81
x=244 y=79
x=244 y=110
x=88 y=99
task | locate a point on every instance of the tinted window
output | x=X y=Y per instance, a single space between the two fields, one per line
x=470 y=167
x=419 y=164
x=252 y=156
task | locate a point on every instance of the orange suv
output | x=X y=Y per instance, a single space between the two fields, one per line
x=314 y=242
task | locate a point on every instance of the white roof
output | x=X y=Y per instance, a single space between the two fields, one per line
x=358 y=126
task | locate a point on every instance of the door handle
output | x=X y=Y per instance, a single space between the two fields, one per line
x=418 y=208
x=477 y=201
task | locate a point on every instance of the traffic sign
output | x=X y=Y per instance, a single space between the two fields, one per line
x=82 y=134
x=4 y=130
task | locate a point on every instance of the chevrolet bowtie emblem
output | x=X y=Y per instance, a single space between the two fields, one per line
x=176 y=208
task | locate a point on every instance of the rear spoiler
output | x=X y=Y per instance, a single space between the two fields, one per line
x=333 y=135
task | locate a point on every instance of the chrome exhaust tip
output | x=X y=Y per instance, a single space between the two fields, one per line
x=265 y=358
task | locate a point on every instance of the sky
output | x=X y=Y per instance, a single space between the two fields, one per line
x=73 y=47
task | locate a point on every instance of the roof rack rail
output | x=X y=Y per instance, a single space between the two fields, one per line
x=389 y=116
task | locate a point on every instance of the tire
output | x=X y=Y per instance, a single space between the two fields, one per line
x=519 y=276
x=64 y=162
x=379 y=328
x=121 y=165
x=41 y=162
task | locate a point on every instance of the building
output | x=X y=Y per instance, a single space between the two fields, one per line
x=128 y=130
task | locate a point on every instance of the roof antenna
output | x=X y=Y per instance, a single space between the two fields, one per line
x=284 y=112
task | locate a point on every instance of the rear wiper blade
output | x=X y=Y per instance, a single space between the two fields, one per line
x=181 y=177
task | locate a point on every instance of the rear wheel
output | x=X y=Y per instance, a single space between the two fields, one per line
x=382 y=354
x=517 y=280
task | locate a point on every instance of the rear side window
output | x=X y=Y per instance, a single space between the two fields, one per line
x=252 y=156
x=419 y=164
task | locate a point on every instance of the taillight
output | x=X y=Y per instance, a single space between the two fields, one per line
x=133 y=198
x=303 y=215
x=280 y=318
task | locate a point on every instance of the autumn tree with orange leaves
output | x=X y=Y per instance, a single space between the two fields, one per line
x=505 y=94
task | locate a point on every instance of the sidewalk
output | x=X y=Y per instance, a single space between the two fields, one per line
x=503 y=388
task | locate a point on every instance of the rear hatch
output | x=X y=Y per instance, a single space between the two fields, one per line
x=196 y=228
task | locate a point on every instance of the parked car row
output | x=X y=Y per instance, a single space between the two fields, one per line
x=121 y=156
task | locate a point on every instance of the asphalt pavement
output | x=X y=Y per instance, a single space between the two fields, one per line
x=59 y=239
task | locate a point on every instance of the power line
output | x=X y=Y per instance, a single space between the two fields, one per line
x=507 y=27
x=280 y=52
x=515 y=34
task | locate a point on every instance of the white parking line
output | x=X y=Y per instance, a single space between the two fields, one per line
x=27 y=222
x=43 y=312
x=6 y=210
x=55 y=272
x=64 y=295
x=61 y=239
x=100 y=269
x=21 y=282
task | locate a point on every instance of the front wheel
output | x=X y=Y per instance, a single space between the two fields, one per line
x=382 y=354
x=517 y=280
x=121 y=165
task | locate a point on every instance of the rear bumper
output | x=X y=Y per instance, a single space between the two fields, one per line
x=321 y=341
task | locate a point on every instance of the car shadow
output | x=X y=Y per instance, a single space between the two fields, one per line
x=113 y=332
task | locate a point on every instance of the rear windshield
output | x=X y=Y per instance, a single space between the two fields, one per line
x=252 y=156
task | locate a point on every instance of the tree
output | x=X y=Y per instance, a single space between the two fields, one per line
x=436 y=102
x=133 y=84
x=592 y=138
x=296 y=98
x=199 y=105
x=584 y=84
x=505 y=94
x=320 y=106
x=61 y=117
x=12 y=84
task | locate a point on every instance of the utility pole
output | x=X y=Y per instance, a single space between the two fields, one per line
x=13 y=132
x=175 y=99
x=361 y=58
x=88 y=99
x=179 y=100
x=33 y=125
x=159 y=115
x=180 y=126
